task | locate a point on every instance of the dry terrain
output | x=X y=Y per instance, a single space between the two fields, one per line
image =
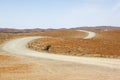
x=57 y=33
x=16 y=67
x=105 y=44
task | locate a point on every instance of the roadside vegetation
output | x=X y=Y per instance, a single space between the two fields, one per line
x=105 y=44
x=56 y=33
x=70 y=42
x=13 y=67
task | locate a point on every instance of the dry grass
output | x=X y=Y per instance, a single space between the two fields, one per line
x=7 y=36
x=28 y=68
x=106 y=44
x=65 y=33
x=57 y=45
x=56 y=33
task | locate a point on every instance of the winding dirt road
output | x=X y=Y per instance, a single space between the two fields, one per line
x=19 y=46
x=90 y=34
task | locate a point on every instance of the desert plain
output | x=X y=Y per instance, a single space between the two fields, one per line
x=106 y=45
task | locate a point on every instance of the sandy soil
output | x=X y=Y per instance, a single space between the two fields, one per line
x=14 y=66
x=30 y=68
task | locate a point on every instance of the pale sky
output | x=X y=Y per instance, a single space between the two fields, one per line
x=58 y=13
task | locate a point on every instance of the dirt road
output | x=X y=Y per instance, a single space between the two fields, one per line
x=48 y=66
x=90 y=34
x=19 y=46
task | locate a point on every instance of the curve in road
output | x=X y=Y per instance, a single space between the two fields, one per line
x=90 y=34
x=19 y=46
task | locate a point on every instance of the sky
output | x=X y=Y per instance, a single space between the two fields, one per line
x=58 y=13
